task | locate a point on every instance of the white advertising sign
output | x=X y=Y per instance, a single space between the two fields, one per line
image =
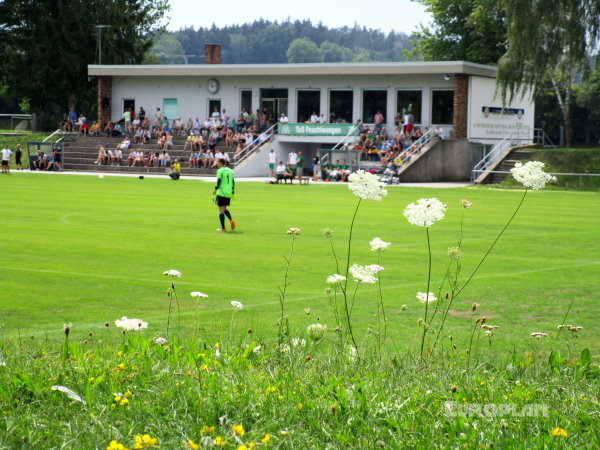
x=490 y=121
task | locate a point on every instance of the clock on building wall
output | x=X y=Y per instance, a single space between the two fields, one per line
x=213 y=85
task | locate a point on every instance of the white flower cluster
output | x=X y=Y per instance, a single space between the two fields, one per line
x=426 y=297
x=454 y=252
x=131 y=324
x=378 y=245
x=298 y=342
x=425 y=212
x=293 y=231
x=237 y=305
x=198 y=294
x=364 y=274
x=327 y=233
x=375 y=268
x=366 y=185
x=352 y=353
x=336 y=278
x=316 y=331
x=538 y=335
x=531 y=174
x=172 y=273
x=159 y=340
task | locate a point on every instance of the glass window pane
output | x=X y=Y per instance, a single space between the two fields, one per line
x=309 y=102
x=442 y=107
x=341 y=106
x=409 y=101
x=373 y=101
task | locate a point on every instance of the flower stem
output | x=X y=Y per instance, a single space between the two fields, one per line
x=426 y=292
x=282 y=294
x=346 y=281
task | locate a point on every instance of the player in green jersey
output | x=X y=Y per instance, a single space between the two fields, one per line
x=224 y=190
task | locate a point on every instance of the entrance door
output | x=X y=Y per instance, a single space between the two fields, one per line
x=129 y=103
x=170 y=108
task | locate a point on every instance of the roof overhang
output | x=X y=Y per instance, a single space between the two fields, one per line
x=224 y=70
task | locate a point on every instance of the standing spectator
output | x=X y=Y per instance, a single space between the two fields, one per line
x=272 y=161
x=408 y=123
x=292 y=159
x=6 y=154
x=299 y=165
x=378 y=120
x=157 y=117
x=317 y=166
x=57 y=153
x=141 y=114
x=127 y=119
x=18 y=156
x=72 y=117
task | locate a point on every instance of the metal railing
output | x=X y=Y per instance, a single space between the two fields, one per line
x=555 y=174
x=540 y=137
x=416 y=147
x=495 y=154
x=251 y=148
x=345 y=139
x=56 y=132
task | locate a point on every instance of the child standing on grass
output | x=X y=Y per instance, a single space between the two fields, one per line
x=6 y=154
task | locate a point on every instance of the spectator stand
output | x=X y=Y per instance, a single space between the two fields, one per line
x=253 y=146
x=46 y=146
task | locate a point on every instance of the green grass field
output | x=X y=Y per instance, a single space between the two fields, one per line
x=87 y=250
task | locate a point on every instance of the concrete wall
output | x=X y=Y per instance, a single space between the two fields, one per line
x=448 y=160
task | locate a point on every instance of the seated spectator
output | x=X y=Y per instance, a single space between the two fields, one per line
x=190 y=142
x=189 y=126
x=313 y=118
x=139 y=136
x=117 y=157
x=194 y=158
x=283 y=173
x=65 y=124
x=124 y=144
x=209 y=159
x=437 y=132
x=95 y=129
x=139 y=158
x=108 y=129
x=82 y=126
x=164 y=159
x=40 y=161
x=131 y=157
x=283 y=118
x=102 y=157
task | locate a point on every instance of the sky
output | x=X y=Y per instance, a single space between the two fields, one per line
x=385 y=15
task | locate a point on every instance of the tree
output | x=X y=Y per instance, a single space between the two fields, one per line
x=303 y=51
x=553 y=38
x=46 y=45
x=463 y=30
x=333 y=52
x=168 y=50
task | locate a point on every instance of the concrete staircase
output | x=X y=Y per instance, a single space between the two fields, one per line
x=506 y=164
x=81 y=153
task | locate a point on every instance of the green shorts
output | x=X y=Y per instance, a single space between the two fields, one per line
x=271 y=166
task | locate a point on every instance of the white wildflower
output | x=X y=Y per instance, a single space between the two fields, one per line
x=375 y=268
x=336 y=278
x=352 y=353
x=425 y=212
x=466 y=203
x=284 y=348
x=423 y=297
x=2 y=362
x=454 y=252
x=159 y=340
x=328 y=233
x=316 y=331
x=488 y=333
x=538 y=335
x=237 y=305
x=198 y=294
x=377 y=244
x=172 y=273
x=131 y=324
x=531 y=174
x=363 y=274
x=257 y=349
x=293 y=231
x=298 y=342
x=366 y=186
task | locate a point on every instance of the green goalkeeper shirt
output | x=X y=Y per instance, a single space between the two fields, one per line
x=225 y=182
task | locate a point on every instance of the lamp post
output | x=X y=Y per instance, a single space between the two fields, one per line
x=100 y=28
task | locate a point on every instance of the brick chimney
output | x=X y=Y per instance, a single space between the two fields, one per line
x=212 y=53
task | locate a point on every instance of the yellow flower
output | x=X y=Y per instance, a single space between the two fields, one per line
x=114 y=445
x=207 y=429
x=145 y=441
x=266 y=439
x=191 y=444
x=91 y=379
x=117 y=398
x=558 y=432
x=300 y=406
x=239 y=430
x=123 y=402
x=271 y=389
x=220 y=442
x=250 y=445
x=128 y=394
x=121 y=366
x=242 y=447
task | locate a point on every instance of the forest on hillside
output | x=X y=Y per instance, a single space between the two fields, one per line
x=299 y=41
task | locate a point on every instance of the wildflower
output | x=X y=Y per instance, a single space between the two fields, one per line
x=474 y=306
x=271 y=389
x=336 y=278
x=220 y=442
x=425 y=212
x=574 y=329
x=198 y=294
x=454 y=252
x=191 y=444
x=558 y=432
x=293 y=231
x=266 y=438
x=375 y=268
x=237 y=305
x=298 y=342
x=114 y=445
x=327 y=291
x=426 y=297
x=159 y=340
x=352 y=354
x=67 y=328
x=531 y=174
x=362 y=274
x=238 y=429
x=124 y=402
x=328 y=233
x=284 y=432
x=403 y=307
x=206 y=429
x=466 y=204
x=316 y=331
x=366 y=186
x=128 y=394
x=284 y=348
x=172 y=273
x=131 y=324
x=257 y=349
x=378 y=245
x=538 y=335
x=107 y=324
x=307 y=311
x=145 y=441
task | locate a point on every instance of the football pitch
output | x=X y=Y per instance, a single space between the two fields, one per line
x=86 y=250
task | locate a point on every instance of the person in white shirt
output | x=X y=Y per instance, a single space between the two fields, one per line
x=314 y=118
x=322 y=118
x=293 y=158
x=283 y=118
x=272 y=161
x=6 y=154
